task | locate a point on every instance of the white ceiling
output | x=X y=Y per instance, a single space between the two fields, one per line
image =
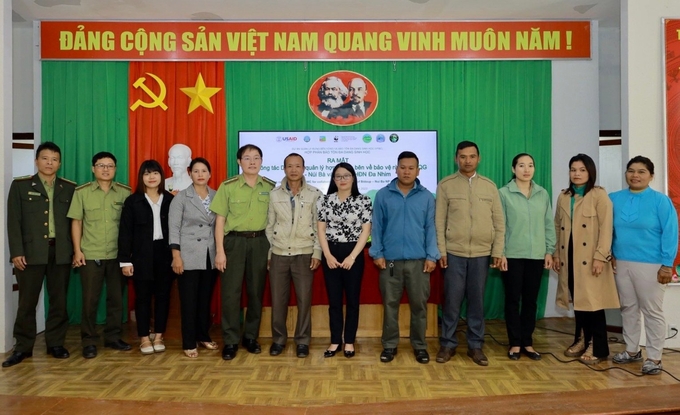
x=607 y=12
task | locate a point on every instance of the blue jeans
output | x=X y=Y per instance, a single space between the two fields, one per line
x=464 y=278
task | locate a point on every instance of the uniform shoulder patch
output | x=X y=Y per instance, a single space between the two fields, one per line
x=124 y=186
x=83 y=186
x=68 y=181
x=30 y=176
x=268 y=180
x=232 y=180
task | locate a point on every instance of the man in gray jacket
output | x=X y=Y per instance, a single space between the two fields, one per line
x=470 y=229
x=295 y=253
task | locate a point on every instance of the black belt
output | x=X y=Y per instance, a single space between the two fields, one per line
x=247 y=234
x=50 y=242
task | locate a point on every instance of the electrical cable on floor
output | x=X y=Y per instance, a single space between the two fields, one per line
x=637 y=375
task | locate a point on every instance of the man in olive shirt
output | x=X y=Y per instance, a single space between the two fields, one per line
x=95 y=211
x=39 y=235
x=241 y=205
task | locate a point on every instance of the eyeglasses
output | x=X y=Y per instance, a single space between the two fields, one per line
x=344 y=177
x=105 y=166
x=248 y=159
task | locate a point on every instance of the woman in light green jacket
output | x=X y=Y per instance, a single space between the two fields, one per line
x=529 y=244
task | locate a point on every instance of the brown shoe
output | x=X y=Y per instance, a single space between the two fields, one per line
x=478 y=357
x=445 y=354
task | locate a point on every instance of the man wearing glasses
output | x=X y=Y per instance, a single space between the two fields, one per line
x=95 y=211
x=241 y=205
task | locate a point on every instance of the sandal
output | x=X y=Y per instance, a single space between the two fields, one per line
x=146 y=347
x=576 y=349
x=588 y=358
x=191 y=353
x=158 y=344
x=209 y=345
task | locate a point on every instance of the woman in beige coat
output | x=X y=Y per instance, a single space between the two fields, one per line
x=583 y=224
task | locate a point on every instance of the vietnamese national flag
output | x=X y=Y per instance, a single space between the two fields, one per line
x=177 y=102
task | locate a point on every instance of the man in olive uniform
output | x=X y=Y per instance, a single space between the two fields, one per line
x=241 y=205
x=40 y=247
x=95 y=211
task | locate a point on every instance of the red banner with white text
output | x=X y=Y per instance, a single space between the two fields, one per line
x=451 y=40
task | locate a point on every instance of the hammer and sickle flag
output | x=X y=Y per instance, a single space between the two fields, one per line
x=158 y=118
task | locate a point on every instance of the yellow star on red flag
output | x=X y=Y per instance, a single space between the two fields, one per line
x=200 y=95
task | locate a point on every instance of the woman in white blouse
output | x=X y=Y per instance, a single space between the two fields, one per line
x=344 y=225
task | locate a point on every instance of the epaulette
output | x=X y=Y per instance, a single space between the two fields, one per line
x=486 y=179
x=83 y=186
x=232 y=180
x=24 y=177
x=268 y=180
x=68 y=181
x=124 y=186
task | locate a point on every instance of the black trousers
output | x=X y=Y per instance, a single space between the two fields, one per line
x=195 y=292
x=342 y=282
x=522 y=281
x=156 y=288
x=593 y=323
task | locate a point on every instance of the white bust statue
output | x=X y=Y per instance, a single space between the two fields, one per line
x=179 y=158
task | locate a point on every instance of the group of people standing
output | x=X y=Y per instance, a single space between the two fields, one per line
x=251 y=226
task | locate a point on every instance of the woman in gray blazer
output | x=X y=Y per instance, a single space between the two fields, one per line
x=192 y=241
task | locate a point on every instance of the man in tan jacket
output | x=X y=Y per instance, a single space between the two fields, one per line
x=470 y=229
x=295 y=253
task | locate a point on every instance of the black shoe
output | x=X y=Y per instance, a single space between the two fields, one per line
x=118 y=345
x=302 y=351
x=276 y=349
x=422 y=356
x=531 y=355
x=387 y=355
x=252 y=346
x=16 y=358
x=229 y=351
x=331 y=353
x=349 y=353
x=513 y=355
x=58 y=352
x=90 y=352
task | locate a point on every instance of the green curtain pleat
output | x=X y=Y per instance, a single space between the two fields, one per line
x=85 y=111
x=503 y=106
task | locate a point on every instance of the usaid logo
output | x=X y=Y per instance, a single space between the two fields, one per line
x=284 y=139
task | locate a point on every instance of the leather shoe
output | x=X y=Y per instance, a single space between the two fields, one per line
x=118 y=345
x=331 y=353
x=445 y=354
x=16 y=358
x=276 y=349
x=229 y=351
x=422 y=356
x=252 y=346
x=531 y=355
x=388 y=354
x=513 y=355
x=302 y=350
x=90 y=352
x=478 y=357
x=58 y=352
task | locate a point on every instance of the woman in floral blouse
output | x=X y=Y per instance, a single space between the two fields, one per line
x=344 y=226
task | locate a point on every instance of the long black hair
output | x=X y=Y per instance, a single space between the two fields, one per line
x=149 y=166
x=333 y=187
x=516 y=159
x=590 y=168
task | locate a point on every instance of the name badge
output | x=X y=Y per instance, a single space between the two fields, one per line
x=34 y=194
x=118 y=203
x=264 y=193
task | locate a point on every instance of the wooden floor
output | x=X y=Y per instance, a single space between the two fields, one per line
x=170 y=383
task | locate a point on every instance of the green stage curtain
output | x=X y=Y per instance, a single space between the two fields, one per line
x=503 y=106
x=85 y=111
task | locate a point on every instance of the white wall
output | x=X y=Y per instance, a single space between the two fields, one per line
x=609 y=50
x=22 y=69
x=642 y=89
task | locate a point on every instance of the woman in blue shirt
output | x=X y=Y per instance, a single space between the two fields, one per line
x=529 y=244
x=645 y=245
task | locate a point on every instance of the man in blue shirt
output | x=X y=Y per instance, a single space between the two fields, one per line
x=404 y=248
